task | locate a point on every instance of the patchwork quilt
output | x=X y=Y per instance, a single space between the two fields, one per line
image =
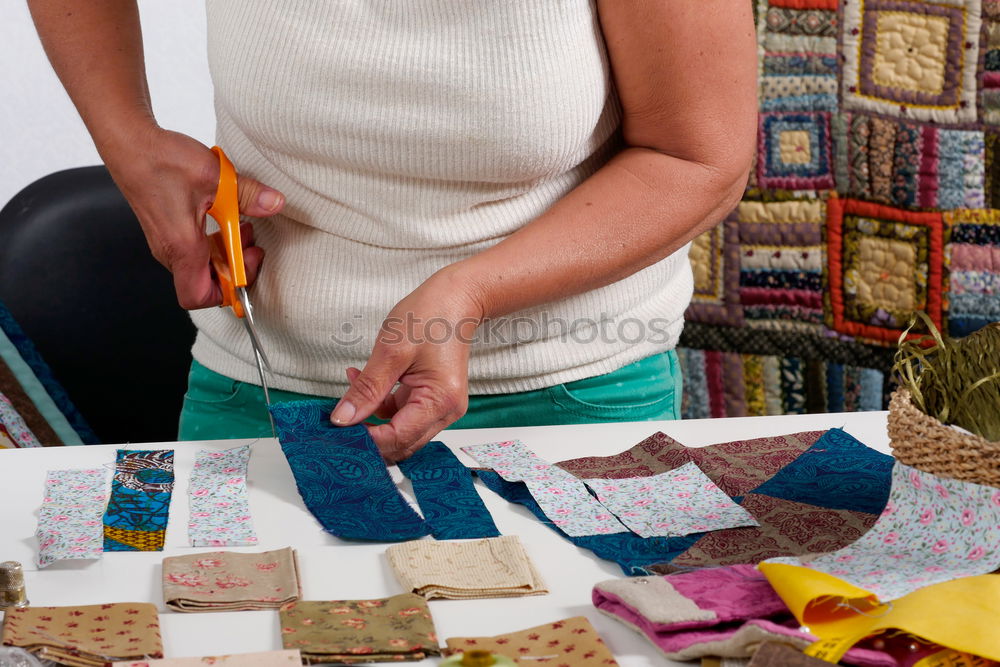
x=874 y=194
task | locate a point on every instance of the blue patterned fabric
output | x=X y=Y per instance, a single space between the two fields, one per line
x=341 y=476
x=632 y=553
x=447 y=496
x=139 y=507
x=837 y=472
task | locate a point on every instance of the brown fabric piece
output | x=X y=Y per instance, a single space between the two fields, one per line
x=741 y=466
x=773 y=654
x=230 y=581
x=787 y=528
x=656 y=454
x=350 y=631
x=572 y=641
x=86 y=636
x=11 y=387
x=496 y=567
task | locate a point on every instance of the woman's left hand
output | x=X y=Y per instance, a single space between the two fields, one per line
x=423 y=346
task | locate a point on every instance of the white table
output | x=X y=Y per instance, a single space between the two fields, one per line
x=334 y=569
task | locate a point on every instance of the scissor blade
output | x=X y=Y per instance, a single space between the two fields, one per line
x=244 y=298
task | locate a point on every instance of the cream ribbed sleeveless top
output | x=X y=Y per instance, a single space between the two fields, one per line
x=407 y=135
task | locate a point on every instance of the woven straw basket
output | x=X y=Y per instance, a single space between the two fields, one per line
x=923 y=442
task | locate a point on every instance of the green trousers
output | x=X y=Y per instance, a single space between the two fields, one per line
x=217 y=407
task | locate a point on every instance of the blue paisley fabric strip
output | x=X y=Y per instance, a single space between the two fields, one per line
x=632 y=553
x=341 y=476
x=837 y=472
x=447 y=496
x=137 y=512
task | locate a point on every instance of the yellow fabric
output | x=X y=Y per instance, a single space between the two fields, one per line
x=959 y=614
x=911 y=51
x=798 y=210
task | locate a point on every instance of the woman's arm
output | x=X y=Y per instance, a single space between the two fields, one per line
x=168 y=178
x=686 y=76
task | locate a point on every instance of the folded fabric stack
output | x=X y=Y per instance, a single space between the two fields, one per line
x=86 y=636
x=226 y=581
x=497 y=567
x=350 y=631
x=571 y=641
x=288 y=658
x=720 y=612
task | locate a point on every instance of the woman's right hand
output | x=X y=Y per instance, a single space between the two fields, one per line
x=170 y=179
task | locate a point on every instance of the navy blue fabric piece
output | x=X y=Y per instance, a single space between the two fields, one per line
x=838 y=472
x=341 y=476
x=834 y=387
x=447 y=496
x=632 y=553
x=44 y=374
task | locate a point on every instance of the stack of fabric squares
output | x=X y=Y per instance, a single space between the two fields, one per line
x=571 y=641
x=226 y=581
x=350 y=631
x=496 y=567
x=86 y=636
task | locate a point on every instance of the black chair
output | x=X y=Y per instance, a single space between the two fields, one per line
x=77 y=275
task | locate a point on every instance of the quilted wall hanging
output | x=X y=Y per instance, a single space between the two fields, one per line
x=874 y=194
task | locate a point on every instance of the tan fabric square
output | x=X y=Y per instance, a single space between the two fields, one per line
x=86 y=636
x=229 y=581
x=793 y=147
x=886 y=269
x=496 y=567
x=572 y=641
x=911 y=51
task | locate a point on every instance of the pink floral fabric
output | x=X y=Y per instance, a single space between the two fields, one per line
x=932 y=530
x=561 y=496
x=12 y=425
x=226 y=581
x=672 y=504
x=70 y=521
x=217 y=493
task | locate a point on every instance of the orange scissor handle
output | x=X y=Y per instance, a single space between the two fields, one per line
x=226 y=244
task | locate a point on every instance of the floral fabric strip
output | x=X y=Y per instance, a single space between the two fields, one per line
x=217 y=494
x=671 y=504
x=447 y=496
x=12 y=426
x=342 y=477
x=633 y=554
x=932 y=530
x=69 y=520
x=86 y=635
x=349 y=631
x=228 y=581
x=571 y=641
x=137 y=513
x=289 y=658
x=561 y=496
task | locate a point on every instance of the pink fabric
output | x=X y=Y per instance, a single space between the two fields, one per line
x=739 y=596
x=969 y=257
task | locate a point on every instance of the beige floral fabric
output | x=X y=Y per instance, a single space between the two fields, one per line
x=350 y=631
x=571 y=641
x=495 y=567
x=227 y=581
x=86 y=636
x=289 y=658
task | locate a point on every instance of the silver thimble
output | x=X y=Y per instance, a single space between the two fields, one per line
x=12 y=592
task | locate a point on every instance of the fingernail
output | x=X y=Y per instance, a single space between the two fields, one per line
x=343 y=413
x=268 y=200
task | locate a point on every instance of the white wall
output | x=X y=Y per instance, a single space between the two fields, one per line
x=40 y=131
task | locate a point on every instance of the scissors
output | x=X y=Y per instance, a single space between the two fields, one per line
x=227 y=260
